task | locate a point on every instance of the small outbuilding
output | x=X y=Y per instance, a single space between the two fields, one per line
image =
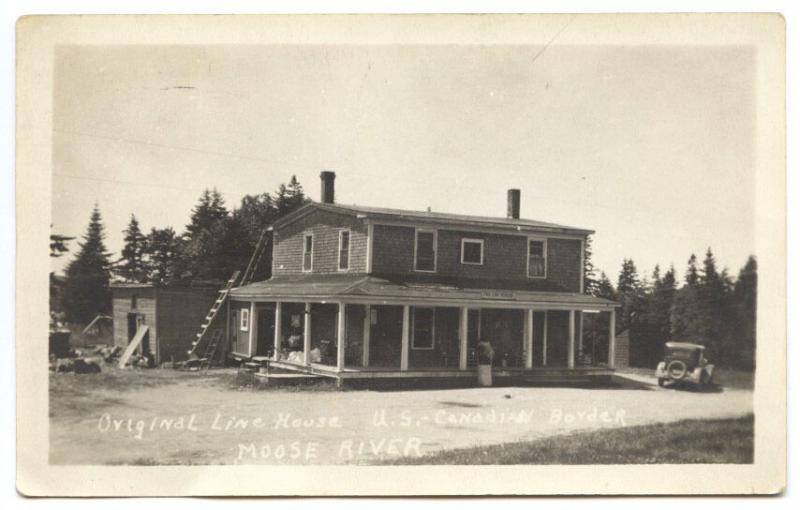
x=173 y=316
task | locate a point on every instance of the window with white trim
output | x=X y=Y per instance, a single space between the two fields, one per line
x=472 y=251
x=308 y=252
x=244 y=319
x=537 y=258
x=423 y=328
x=425 y=250
x=344 y=250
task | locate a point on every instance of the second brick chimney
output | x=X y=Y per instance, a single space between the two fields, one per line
x=326 y=186
x=513 y=204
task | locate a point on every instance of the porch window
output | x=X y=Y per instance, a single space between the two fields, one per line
x=423 y=321
x=472 y=251
x=537 y=258
x=344 y=250
x=308 y=252
x=244 y=319
x=425 y=250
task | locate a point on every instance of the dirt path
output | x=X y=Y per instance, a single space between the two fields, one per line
x=191 y=420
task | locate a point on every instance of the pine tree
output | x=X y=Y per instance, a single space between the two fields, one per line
x=589 y=276
x=289 y=197
x=605 y=289
x=86 y=289
x=745 y=300
x=161 y=256
x=131 y=265
x=629 y=293
x=202 y=242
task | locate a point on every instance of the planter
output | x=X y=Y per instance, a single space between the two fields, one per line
x=484 y=375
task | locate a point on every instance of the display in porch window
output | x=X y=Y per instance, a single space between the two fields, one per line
x=536 y=259
x=423 y=329
x=344 y=250
x=308 y=252
x=425 y=251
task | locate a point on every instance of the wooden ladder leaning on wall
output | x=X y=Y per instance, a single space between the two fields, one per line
x=211 y=346
x=213 y=340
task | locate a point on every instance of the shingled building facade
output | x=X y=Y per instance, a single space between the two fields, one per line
x=363 y=292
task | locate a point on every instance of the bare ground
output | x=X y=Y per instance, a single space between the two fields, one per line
x=171 y=417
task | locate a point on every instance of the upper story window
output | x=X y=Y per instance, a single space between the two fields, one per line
x=472 y=251
x=308 y=252
x=344 y=250
x=425 y=250
x=424 y=321
x=537 y=258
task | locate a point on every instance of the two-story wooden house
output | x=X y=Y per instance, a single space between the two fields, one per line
x=369 y=292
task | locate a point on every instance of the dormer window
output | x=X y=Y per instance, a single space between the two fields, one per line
x=537 y=258
x=308 y=252
x=425 y=250
x=344 y=250
x=472 y=251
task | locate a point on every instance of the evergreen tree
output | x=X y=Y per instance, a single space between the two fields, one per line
x=589 y=276
x=131 y=265
x=744 y=294
x=629 y=294
x=684 y=312
x=86 y=288
x=161 y=256
x=202 y=242
x=289 y=197
x=605 y=289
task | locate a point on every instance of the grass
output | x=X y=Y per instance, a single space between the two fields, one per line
x=724 y=441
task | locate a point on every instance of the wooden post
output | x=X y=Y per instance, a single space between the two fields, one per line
x=405 y=339
x=251 y=329
x=278 y=327
x=367 y=326
x=340 y=338
x=612 y=338
x=307 y=335
x=544 y=340
x=462 y=337
x=571 y=344
x=529 y=338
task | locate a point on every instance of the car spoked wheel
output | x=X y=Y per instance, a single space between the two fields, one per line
x=677 y=369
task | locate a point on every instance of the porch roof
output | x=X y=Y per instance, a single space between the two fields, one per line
x=370 y=288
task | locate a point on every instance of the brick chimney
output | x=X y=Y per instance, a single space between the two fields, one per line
x=326 y=186
x=513 y=204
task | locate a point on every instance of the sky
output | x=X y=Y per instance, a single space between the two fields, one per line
x=650 y=146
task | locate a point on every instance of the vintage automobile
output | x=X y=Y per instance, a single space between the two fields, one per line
x=685 y=362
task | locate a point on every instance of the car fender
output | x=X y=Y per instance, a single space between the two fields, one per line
x=661 y=370
x=696 y=374
x=710 y=371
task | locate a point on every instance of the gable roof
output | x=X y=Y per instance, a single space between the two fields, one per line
x=403 y=215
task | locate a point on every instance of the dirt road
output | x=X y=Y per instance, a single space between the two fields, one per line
x=188 y=419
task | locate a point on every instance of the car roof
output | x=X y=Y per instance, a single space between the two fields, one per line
x=684 y=345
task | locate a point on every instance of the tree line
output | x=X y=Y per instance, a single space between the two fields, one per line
x=708 y=307
x=215 y=243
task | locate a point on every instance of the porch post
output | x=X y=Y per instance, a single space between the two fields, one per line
x=367 y=326
x=405 y=339
x=307 y=335
x=278 y=327
x=571 y=345
x=529 y=338
x=252 y=333
x=340 y=338
x=462 y=337
x=544 y=338
x=612 y=338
